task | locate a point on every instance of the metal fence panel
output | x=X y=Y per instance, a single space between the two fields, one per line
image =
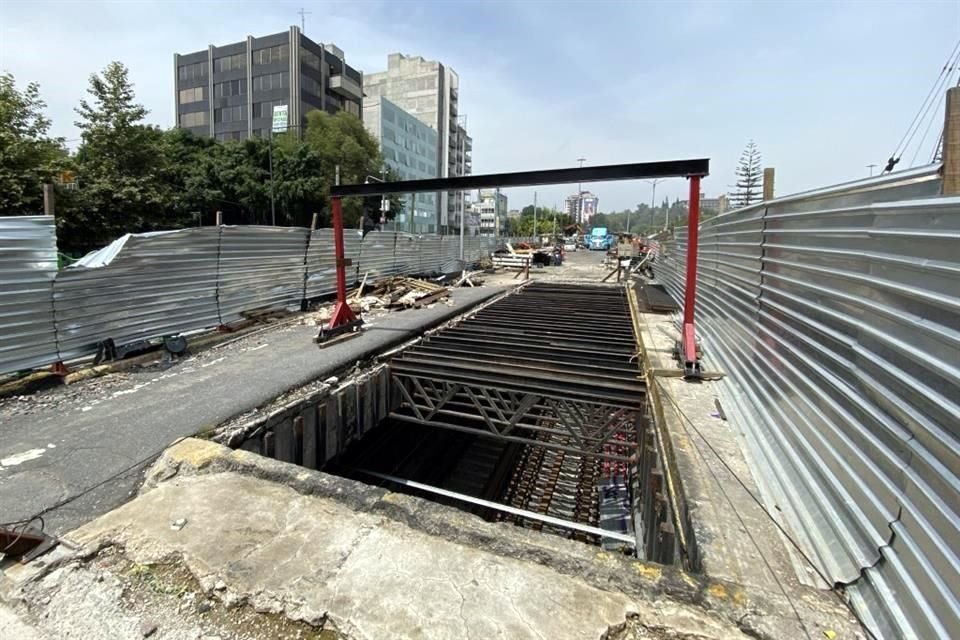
x=260 y=268
x=142 y=286
x=378 y=255
x=28 y=265
x=846 y=381
x=321 y=262
x=431 y=256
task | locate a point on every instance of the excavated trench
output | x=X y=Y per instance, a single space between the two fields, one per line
x=528 y=410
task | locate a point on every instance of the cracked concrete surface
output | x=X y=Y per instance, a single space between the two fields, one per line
x=311 y=557
x=373 y=564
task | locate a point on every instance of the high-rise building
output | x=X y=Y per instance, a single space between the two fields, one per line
x=409 y=148
x=230 y=92
x=581 y=207
x=491 y=207
x=430 y=91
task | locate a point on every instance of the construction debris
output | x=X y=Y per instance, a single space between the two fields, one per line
x=393 y=293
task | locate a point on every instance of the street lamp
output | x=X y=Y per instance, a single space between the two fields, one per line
x=653 y=198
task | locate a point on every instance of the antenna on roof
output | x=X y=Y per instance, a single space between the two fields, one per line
x=303 y=19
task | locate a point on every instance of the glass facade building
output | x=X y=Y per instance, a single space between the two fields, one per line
x=409 y=149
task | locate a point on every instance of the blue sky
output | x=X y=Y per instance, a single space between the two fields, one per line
x=823 y=88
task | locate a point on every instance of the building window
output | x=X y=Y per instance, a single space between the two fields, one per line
x=279 y=53
x=231 y=135
x=228 y=114
x=192 y=71
x=230 y=88
x=191 y=95
x=271 y=81
x=310 y=58
x=227 y=63
x=352 y=107
x=196 y=119
x=311 y=86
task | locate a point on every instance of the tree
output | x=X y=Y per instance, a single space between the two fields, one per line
x=28 y=156
x=341 y=140
x=396 y=203
x=749 y=174
x=120 y=167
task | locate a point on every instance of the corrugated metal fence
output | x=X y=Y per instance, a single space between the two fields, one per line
x=836 y=315
x=145 y=286
x=28 y=265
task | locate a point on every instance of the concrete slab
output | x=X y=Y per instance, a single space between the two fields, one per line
x=96 y=444
x=247 y=539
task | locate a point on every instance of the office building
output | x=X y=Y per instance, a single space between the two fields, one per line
x=491 y=208
x=713 y=205
x=581 y=207
x=229 y=92
x=429 y=90
x=409 y=148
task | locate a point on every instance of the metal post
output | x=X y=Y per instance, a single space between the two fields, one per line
x=219 y=218
x=688 y=344
x=342 y=314
x=463 y=223
x=273 y=210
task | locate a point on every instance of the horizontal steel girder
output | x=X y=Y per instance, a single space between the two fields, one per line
x=550 y=360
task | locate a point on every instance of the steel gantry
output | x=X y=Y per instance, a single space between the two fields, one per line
x=693 y=169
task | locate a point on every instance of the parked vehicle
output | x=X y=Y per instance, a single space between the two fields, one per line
x=600 y=240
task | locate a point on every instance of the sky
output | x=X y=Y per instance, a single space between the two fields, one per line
x=823 y=88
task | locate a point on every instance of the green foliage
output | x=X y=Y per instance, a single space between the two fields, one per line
x=341 y=139
x=134 y=177
x=120 y=167
x=28 y=156
x=549 y=220
x=749 y=173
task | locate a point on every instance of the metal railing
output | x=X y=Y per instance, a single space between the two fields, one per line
x=836 y=315
x=145 y=286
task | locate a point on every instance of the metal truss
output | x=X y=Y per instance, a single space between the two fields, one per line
x=515 y=415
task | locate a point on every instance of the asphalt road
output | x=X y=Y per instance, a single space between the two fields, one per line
x=79 y=455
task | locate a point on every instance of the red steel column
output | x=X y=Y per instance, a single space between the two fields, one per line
x=342 y=314
x=336 y=208
x=690 y=294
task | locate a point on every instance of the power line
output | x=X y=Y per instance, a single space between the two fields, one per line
x=931 y=97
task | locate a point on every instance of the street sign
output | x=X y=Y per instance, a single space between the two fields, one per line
x=280 y=122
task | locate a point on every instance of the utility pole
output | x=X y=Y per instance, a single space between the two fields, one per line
x=950 y=152
x=577 y=218
x=273 y=209
x=534 y=214
x=871 y=166
x=49 y=197
x=496 y=213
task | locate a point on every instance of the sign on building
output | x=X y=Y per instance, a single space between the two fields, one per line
x=280 y=122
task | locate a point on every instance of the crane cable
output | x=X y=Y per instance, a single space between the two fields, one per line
x=951 y=64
